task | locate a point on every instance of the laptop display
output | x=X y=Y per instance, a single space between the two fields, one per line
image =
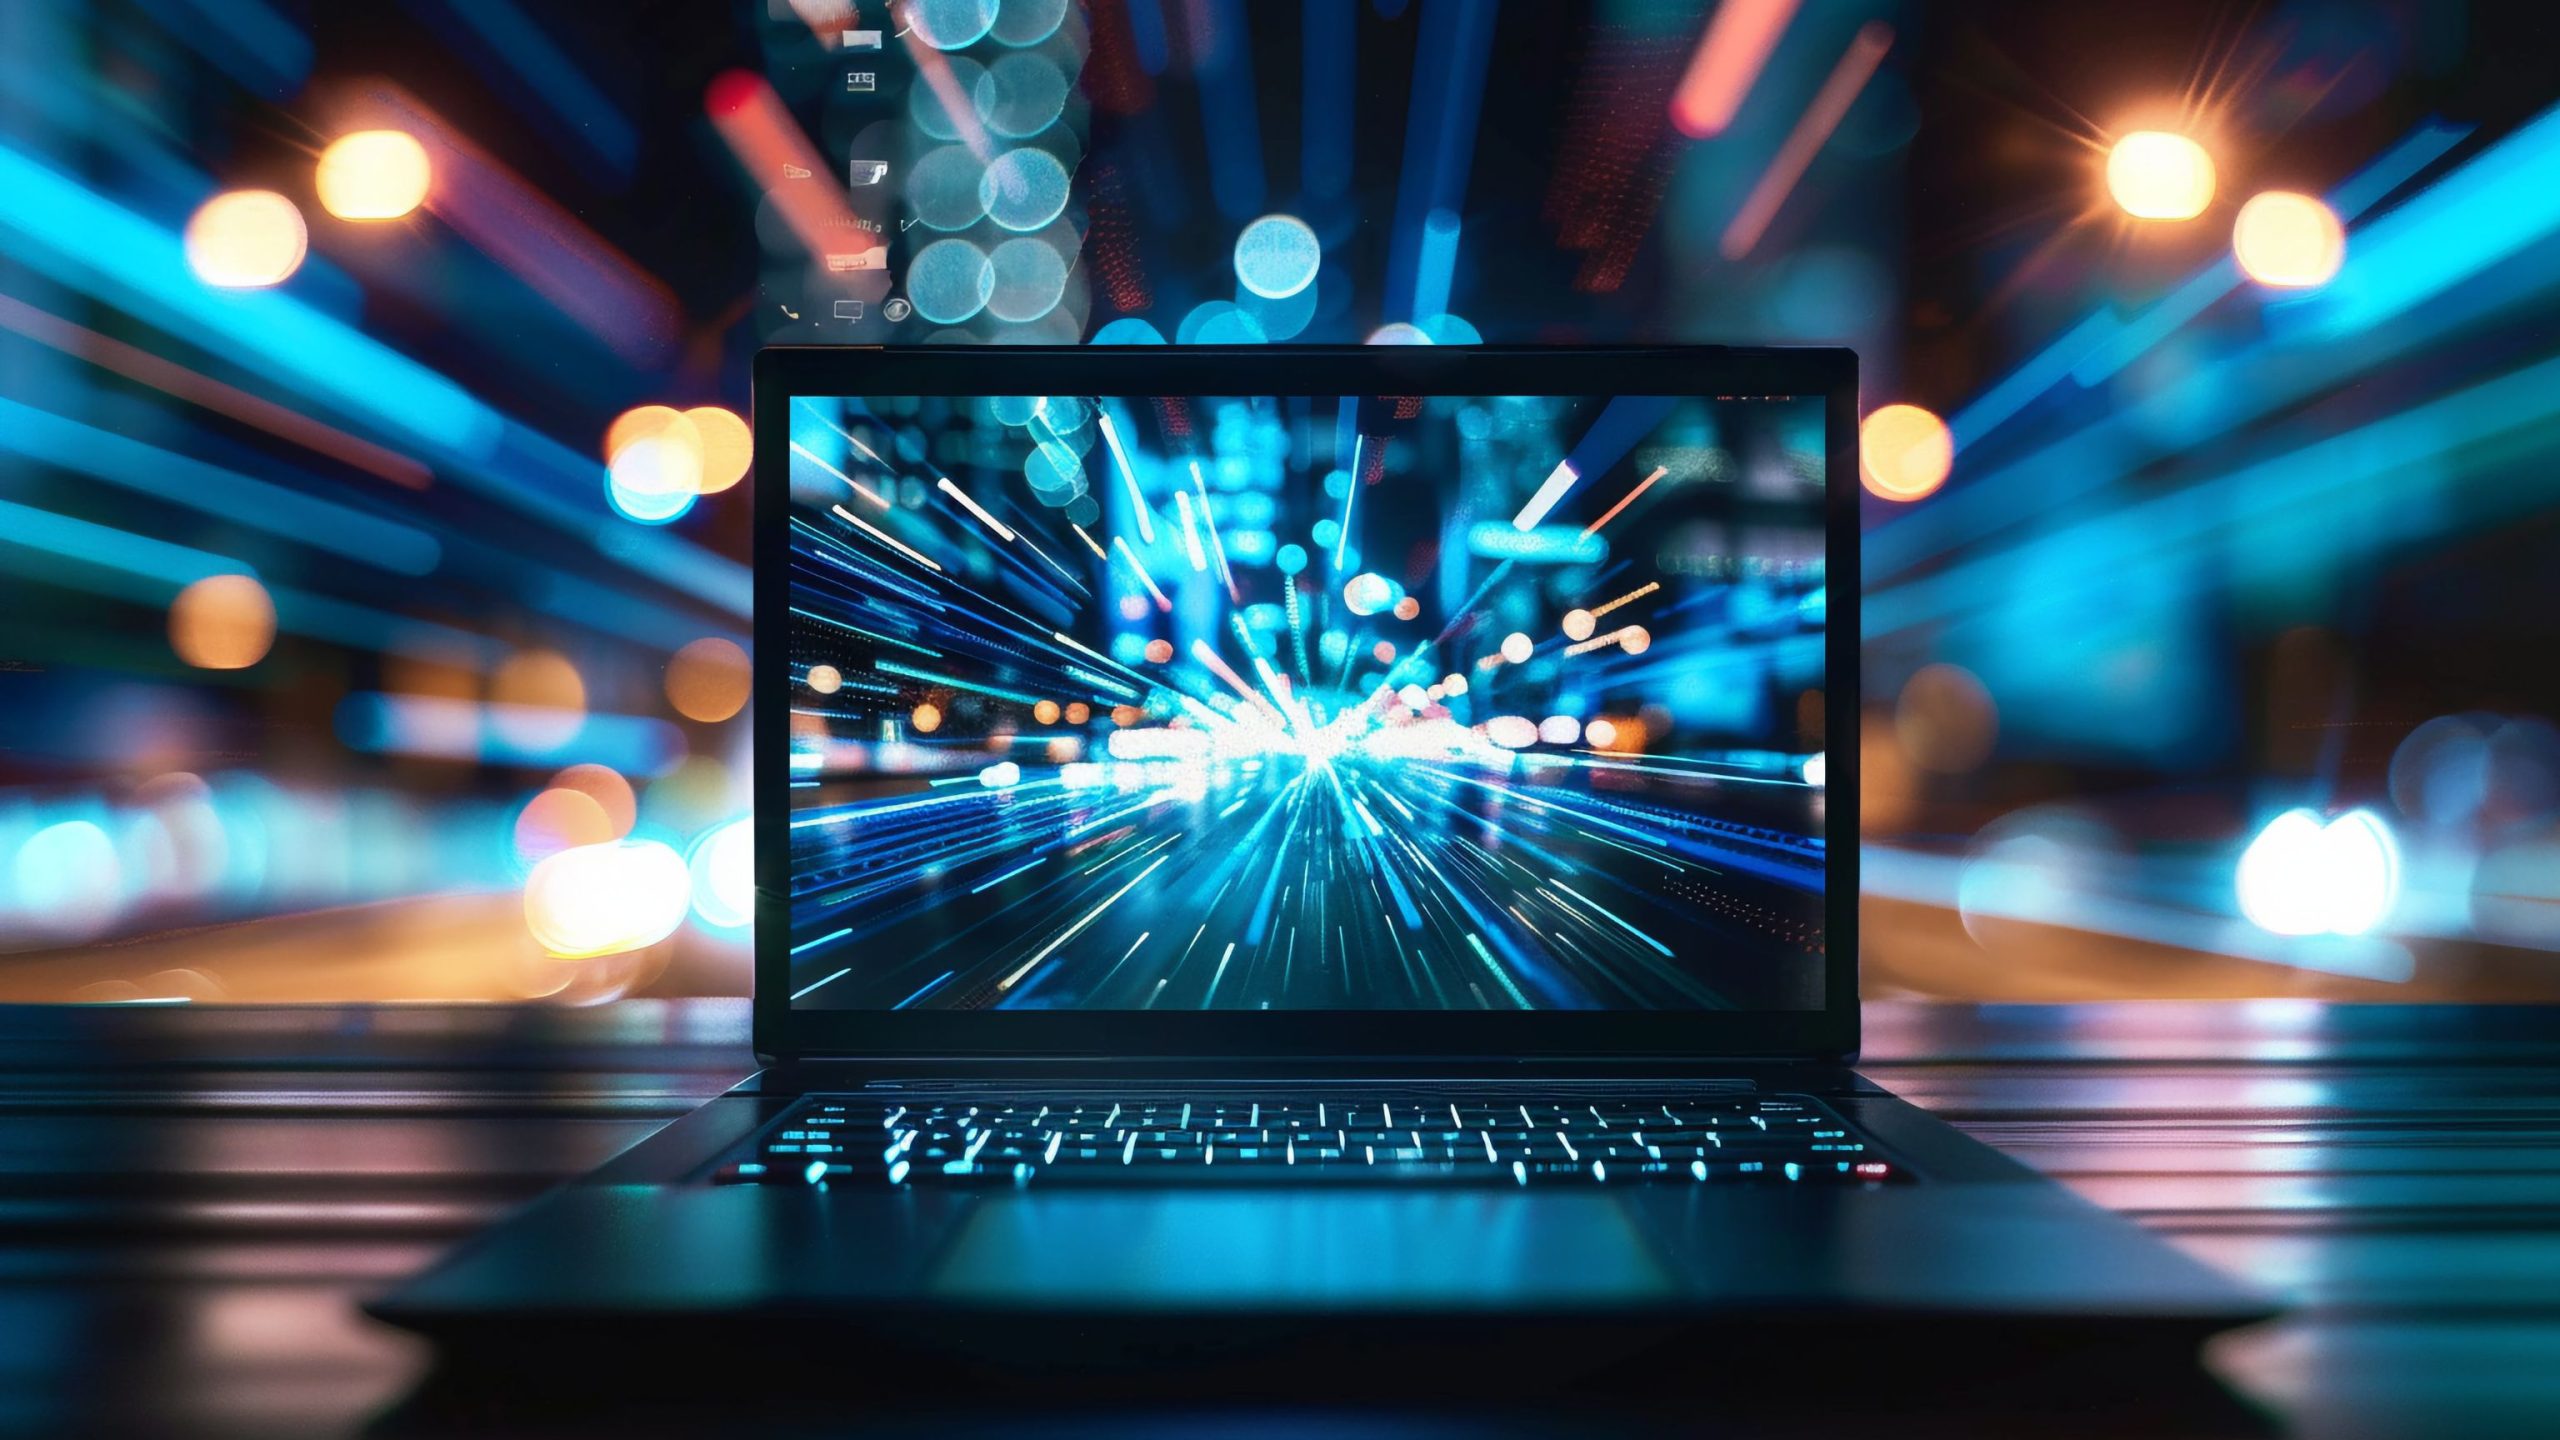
x=1374 y=703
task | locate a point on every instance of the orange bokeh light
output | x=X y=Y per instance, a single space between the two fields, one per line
x=1905 y=452
x=222 y=622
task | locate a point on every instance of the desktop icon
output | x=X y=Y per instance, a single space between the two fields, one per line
x=861 y=82
x=875 y=258
x=866 y=172
x=862 y=39
x=848 y=309
x=896 y=310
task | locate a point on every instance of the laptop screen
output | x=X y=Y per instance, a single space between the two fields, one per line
x=1375 y=703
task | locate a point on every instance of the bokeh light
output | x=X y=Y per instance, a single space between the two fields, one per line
x=1945 y=720
x=1277 y=256
x=950 y=24
x=825 y=679
x=950 y=281
x=656 y=478
x=69 y=880
x=373 y=175
x=927 y=718
x=2156 y=175
x=2303 y=877
x=607 y=899
x=727 y=448
x=604 y=785
x=222 y=622
x=1579 y=624
x=539 y=699
x=2288 y=241
x=1517 y=648
x=246 y=240
x=707 y=680
x=560 y=819
x=1904 y=452
x=1027 y=279
x=1023 y=189
x=723 y=871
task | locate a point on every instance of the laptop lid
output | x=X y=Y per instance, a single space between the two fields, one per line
x=1305 y=702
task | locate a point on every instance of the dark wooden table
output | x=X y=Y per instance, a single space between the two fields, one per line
x=192 y=1200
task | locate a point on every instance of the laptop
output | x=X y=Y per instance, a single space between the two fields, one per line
x=1278 y=847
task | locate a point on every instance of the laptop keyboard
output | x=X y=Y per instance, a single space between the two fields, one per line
x=954 y=1138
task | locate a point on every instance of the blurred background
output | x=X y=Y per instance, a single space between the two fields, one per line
x=373 y=508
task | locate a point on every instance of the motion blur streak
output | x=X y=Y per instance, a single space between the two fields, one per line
x=1439 y=137
x=2299 y=356
x=1812 y=130
x=531 y=234
x=769 y=144
x=79 y=239
x=1736 y=45
x=2387 y=468
x=175 y=479
x=1900 y=874
x=211 y=394
x=507 y=734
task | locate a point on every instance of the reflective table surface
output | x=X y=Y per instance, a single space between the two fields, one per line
x=193 y=1201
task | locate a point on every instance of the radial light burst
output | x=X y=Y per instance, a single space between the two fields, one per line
x=1131 y=771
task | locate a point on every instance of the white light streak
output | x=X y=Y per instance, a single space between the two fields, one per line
x=1111 y=437
x=1342 y=542
x=885 y=538
x=1072 y=931
x=1558 y=482
x=1218 y=547
x=1121 y=543
x=859 y=488
x=943 y=484
x=1190 y=533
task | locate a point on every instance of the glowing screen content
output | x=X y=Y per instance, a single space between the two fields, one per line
x=1290 y=703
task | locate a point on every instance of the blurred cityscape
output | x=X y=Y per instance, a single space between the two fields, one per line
x=373 y=487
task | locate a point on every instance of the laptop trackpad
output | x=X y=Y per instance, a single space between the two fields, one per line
x=1449 y=1248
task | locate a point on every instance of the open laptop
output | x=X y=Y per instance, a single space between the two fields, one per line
x=1260 y=844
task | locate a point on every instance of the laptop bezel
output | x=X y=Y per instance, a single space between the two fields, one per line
x=783 y=1033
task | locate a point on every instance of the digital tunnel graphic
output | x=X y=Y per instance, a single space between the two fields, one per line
x=1367 y=703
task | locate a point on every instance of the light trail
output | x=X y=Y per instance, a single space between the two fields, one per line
x=1217 y=547
x=1729 y=59
x=1612 y=513
x=1091 y=544
x=865 y=491
x=1857 y=64
x=892 y=667
x=1600 y=642
x=885 y=538
x=1350 y=493
x=850 y=438
x=1190 y=534
x=1121 y=543
x=1128 y=476
x=1630 y=597
x=1078 y=928
x=1615 y=918
x=943 y=484
x=1558 y=481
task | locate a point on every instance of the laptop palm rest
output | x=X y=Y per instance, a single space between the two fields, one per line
x=1268 y=1250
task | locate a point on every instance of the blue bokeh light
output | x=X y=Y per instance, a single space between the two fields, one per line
x=1277 y=256
x=950 y=281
